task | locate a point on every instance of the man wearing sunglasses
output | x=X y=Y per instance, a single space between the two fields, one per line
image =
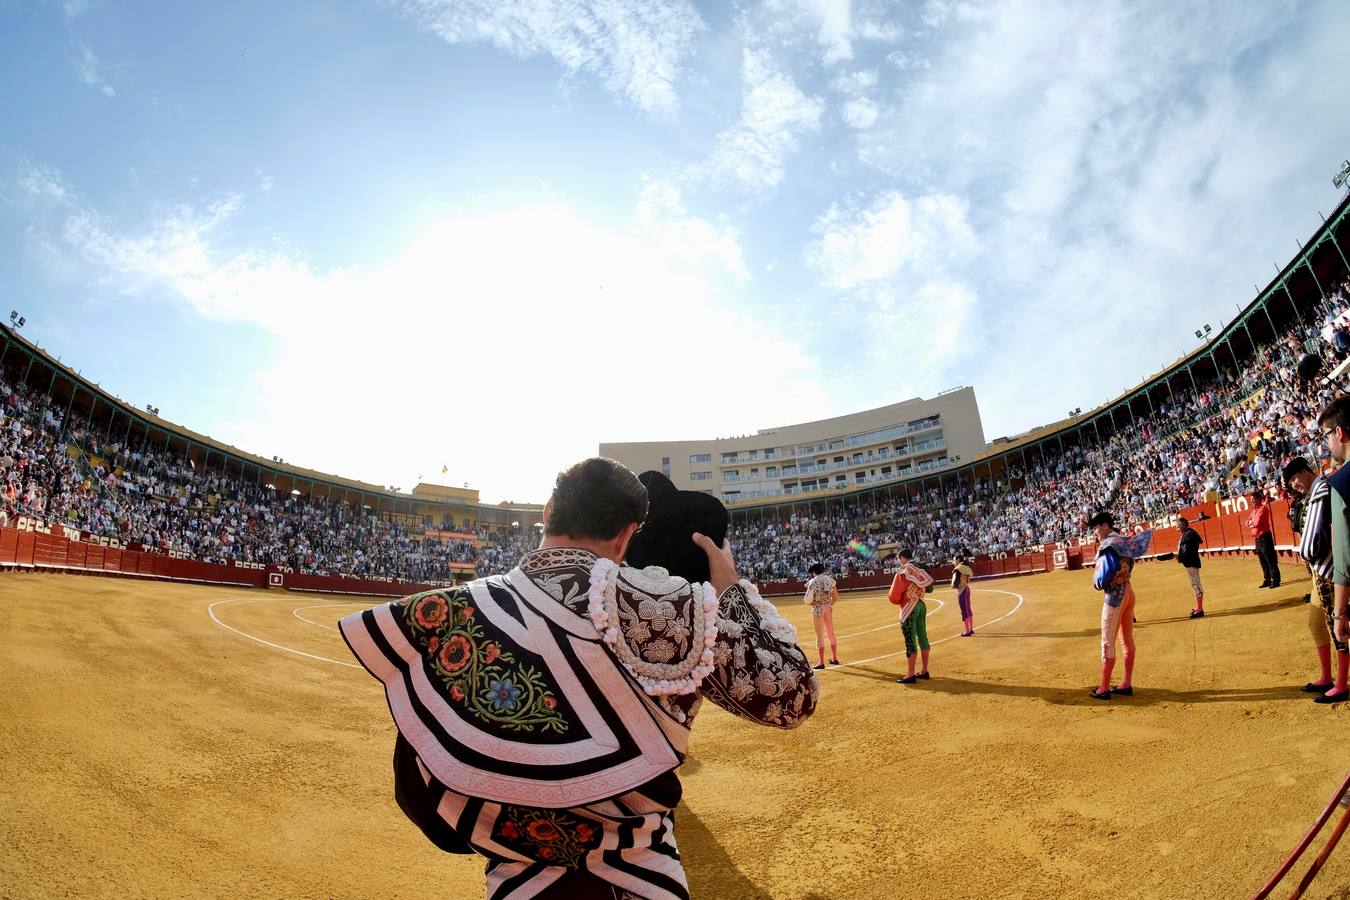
x=1334 y=423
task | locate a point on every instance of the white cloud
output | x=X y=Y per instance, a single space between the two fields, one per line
x=862 y=244
x=43 y=181
x=898 y=264
x=75 y=8
x=833 y=21
x=1134 y=158
x=636 y=49
x=569 y=330
x=855 y=84
x=775 y=114
x=860 y=113
x=832 y=26
x=87 y=69
x=881 y=32
x=264 y=180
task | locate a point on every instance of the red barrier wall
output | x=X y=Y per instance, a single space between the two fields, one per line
x=39 y=549
x=337 y=584
x=42 y=550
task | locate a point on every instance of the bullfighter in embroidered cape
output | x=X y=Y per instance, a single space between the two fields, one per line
x=542 y=714
x=907 y=590
x=1116 y=554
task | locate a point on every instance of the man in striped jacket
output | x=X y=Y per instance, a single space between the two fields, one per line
x=1315 y=548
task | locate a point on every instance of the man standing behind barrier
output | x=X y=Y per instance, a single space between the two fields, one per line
x=542 y=714
x=1262 y=530
x=1313 y=527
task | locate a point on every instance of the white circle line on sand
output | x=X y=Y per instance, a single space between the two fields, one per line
x=296 y=612
x=1020 y=601
x=839 y=637
x=211 y=610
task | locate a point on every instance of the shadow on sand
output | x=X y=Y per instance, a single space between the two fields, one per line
x=1146 y=623
x=710 y=870
x=1143 y=695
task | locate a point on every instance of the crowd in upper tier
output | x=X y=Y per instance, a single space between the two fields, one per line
x=1229 y=436
x=61 y=470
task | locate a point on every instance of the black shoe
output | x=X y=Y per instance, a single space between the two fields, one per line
x=906 y=679
x=1264 y=584
x=1331 y=698
x=925 y=676
x=835 y=662
x=1313 y=687
x=1307 y=598
x=1099 y=694
x=1197 y=614
x=1123 y=691
x=821 y=666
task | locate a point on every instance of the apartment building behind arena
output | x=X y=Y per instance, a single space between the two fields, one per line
x=876 y=446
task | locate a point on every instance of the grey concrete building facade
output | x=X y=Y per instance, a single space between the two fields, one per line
x=886 y=445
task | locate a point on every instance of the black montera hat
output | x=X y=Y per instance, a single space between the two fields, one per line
x=1102 y=518
x=673 y=516
x=1293 y=467
x=1308 y=367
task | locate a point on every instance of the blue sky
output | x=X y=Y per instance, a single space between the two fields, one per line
x=381 y=237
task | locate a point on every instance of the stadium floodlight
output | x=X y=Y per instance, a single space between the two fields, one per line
x=1208 y=329
x=1199 y=334
x=16 y=321
x=1341 y=177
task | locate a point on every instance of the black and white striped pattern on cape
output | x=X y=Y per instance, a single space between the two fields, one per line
x=617 y=737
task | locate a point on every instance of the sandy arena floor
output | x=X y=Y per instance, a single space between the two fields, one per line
x=151 y=749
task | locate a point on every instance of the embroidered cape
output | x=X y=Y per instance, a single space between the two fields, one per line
x=544 y=711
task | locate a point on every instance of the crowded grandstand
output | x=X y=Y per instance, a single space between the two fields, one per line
x=1221 y=425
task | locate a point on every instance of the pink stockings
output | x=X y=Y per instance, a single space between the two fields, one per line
x=824 y=622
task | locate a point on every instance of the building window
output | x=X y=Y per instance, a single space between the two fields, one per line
x=700 y=457
x=771 y=472
x=754 y=473
x=728 y=458
x=771 y=454
x=885 y=470
x=665 y=466
x=700 y=476
x=731 y=475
